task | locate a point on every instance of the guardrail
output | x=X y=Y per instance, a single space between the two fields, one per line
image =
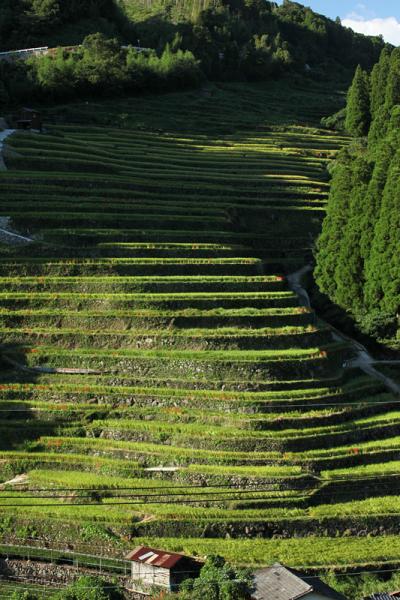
x=24 y=52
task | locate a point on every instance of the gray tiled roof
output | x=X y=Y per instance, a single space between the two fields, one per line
x=281 y=583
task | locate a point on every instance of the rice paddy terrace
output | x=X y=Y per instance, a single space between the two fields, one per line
x=160 y=380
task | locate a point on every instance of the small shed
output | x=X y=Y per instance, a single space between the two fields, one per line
x=151 y=567
x=28 y=118
x=282 y=583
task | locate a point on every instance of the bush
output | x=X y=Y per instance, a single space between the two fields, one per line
x=218 y=581
x=90 y=588
x=335 y=121
x=23 y=595
x=380 y=324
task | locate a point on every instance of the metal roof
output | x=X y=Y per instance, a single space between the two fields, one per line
x=156 y=558
x=381 y=596
x=281 y=583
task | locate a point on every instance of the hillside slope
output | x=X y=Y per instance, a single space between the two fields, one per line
x=161 y=382
x=232 y=38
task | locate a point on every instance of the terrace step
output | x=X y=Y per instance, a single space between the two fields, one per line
x=185 y=338
x=152 y=319
x=132 y=266
x=182 y=284
x=164 y=302
x=258 y=365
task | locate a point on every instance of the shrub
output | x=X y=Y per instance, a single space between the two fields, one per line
x=90 y=588
x=218 y=581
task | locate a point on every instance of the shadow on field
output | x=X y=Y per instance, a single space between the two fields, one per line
x=20 y=424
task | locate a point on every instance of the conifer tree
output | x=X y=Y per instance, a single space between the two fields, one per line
x=349 y=272
x=392 y=96
x=379 y=78
x=329 y=241
x=358 y=257
x=373 y=198
x=383 y=269
x=358 y=116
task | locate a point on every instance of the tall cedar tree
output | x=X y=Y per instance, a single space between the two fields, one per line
x=329 y=242
x=379 y=78
x=383 y=269
x=358 y=115
x=349 y=270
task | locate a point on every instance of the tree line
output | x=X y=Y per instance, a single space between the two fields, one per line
x=231 y=39
x=257 y=38
x=358 y=252
x=99 y=67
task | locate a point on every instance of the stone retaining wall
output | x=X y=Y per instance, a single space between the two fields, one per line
x=44 y=573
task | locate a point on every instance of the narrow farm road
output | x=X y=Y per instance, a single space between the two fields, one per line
x=3 y=136
x=363 y=359
x=294 y=280
x=9 y=237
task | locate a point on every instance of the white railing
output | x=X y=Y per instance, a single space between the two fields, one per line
x=24 y=52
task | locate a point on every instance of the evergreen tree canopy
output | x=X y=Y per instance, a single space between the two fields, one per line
x=358 y=251
x=392 y=96
x=379 y=77
x=358 y=115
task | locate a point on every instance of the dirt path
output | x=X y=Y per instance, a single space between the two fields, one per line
x=10 y=237
x=294 y=280
x=3 y=136
x=49 y=370
x=363 y=359
x=17 y=480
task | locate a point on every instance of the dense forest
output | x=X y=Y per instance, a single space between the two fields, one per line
x=358 y=260
x=222 y=39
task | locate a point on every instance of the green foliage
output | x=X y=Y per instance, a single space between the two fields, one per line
x=383 y=267
x=26 y=23
x=100 y=67
x=379 y=78
x=358 y=115
x=217 y=581
x=90 y=588
x=23 y=595
x=392 y=95
x=358 y=263
x=338 y=211
x=366 y=584
x=336 y=121
x=230 y=38
x=348 y=275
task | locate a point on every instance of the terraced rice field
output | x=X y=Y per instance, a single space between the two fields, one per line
x=7 y=589
x=161 y=382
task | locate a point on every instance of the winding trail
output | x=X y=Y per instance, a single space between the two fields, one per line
x=3 y=136
x=48 y=370
x=294 y=281
x=363 y=359
x=7 y=236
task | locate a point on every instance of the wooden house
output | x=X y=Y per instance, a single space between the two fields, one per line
x=158 y=568
x=282 y=583
x=29 y=118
